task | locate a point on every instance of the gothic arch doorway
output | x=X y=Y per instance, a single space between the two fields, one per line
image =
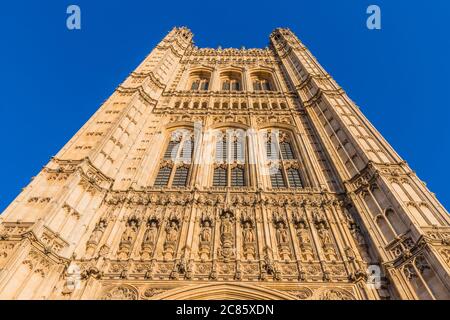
x=224 y=291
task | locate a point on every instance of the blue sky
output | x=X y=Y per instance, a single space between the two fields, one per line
x=54 y=79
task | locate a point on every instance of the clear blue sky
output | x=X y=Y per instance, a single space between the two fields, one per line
x=54 y=79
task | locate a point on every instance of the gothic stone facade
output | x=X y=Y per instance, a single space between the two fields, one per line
x=226 y=173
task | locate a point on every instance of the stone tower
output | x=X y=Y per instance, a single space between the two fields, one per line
x=226 y=173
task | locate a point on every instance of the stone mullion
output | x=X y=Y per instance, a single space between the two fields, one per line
x=425 y=284
x=195 y=166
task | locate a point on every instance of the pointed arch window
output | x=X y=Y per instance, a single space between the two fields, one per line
x=180 y=178
x=200 y=80
x=230 y=167
x=281 y=153
x=176 y=161
x=237 y=177
x=162 y=179
x=294 y=178
x=262 y=81
x=220 y=177
x=231 y=81
x=277 y=179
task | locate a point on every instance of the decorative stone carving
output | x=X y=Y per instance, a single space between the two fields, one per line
x=172 y=233
x=128 y=237
x=150 y=236
x=121 y=293
x=336 y=294
x=205 y=241
x=282 y=235
x=227 y=249
x=248 y=236
x=96 y=236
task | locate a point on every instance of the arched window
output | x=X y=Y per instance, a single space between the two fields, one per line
x=262 y=81
x=230 y=160
x=280 y=151
x=176 y=161
x=199 y=80
x=180 y=178
x=286 y=150
x=294 y=178
x=220 y=177
x=277 y=179
x=162 y=179
x=237 y=177
x=231 y=81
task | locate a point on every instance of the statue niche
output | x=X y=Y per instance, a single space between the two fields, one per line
x=227 y=234
x=96 y=236
x=322 y=230
x=248 y=236
x=150 y=237
x=303 y=235
x=172 y=231
x=128 y=238
x=206 y=224
x=282 y=235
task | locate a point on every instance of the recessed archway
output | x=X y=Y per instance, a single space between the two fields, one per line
x=224 y=291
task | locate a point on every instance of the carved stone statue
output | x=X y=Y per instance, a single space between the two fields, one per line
x=325 y=237
x=172 y=232
x=282 y=234
x=226 y=235
x=98 y=232
x=205 y=234
x=226 y=226
x=130 y=232
x=248 y=233
x=151 y=233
